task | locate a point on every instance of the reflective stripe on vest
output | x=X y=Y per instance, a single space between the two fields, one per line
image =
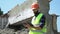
x=37 y=21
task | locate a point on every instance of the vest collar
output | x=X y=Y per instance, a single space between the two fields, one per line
x=36 y=14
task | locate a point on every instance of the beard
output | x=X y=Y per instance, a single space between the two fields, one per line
x=35 y=12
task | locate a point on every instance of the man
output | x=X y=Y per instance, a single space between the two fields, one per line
x=38 y=21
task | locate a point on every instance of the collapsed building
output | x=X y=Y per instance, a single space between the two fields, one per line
x=23 y=13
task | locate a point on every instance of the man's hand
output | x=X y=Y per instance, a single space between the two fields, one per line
x=27 y=25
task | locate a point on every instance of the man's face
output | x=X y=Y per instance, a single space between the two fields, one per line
x=35 y=10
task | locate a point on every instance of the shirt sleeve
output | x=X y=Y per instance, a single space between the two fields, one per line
x=42 y=22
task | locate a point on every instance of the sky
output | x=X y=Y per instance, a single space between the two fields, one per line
x=55 y=9
x=7 y=5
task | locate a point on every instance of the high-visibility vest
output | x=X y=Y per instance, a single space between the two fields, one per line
x=37 y=21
